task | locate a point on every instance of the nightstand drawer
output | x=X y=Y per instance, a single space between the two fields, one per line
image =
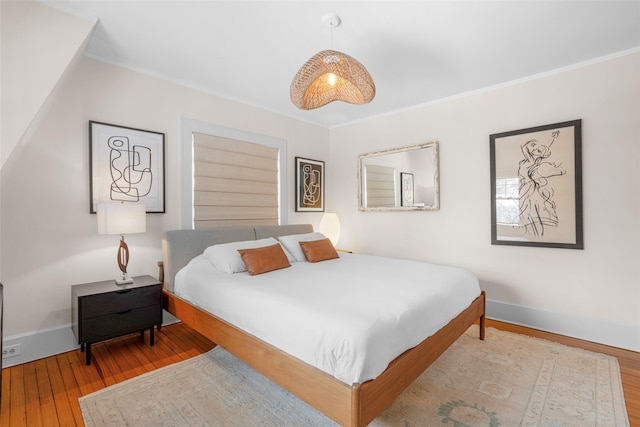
x=116 y=324
x=119 y=301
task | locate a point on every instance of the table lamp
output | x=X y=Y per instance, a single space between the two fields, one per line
x=122 y=218
x=330 y=227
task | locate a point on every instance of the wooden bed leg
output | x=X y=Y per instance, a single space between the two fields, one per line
x=356 y=412
x=482 y=318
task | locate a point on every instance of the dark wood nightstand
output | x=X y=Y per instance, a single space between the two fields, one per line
x=104 y=310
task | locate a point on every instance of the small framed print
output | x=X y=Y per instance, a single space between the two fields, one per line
x=536 y=186
x=126 y=165
x=309 y=185
x=406 y=189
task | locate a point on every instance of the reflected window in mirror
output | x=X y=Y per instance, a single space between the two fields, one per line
x=380 y=185
x=399 y=179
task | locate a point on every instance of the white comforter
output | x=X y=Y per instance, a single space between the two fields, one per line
x=348 y=317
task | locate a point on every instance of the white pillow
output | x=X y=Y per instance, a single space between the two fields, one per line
x=226 y=258
x=291 y=243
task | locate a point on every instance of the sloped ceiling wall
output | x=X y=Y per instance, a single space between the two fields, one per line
x=39 y=45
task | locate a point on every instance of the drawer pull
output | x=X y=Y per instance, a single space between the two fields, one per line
x=124 y=312
x=123 y=291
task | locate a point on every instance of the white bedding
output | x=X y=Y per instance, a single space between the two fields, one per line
x=348 y=317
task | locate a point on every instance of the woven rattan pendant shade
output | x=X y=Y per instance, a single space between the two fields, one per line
x=331 y=76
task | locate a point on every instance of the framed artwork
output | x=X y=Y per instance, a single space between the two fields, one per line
x=126 y=164
x=309 y=185
x=406 y=189
x=536 y=186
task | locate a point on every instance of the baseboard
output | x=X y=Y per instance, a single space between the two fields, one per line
x=602 y=332
x=49 y=342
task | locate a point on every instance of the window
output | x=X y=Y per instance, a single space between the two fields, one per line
x=231 y=177
x=507 y=201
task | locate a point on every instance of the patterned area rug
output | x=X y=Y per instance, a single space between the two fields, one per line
x=506 y=380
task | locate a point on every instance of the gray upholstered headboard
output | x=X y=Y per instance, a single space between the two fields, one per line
x=180 y=246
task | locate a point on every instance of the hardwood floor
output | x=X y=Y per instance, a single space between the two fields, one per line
x=46 y=391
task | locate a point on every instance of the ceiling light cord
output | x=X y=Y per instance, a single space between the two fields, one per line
x=331 y=21
x=331 y=37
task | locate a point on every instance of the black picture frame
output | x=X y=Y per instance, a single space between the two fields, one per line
x=309 y=185
x=126 y=164
x=536 y=186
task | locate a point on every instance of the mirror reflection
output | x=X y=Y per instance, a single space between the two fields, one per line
x=399 y=179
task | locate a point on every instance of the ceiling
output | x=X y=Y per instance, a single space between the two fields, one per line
x=416 y=51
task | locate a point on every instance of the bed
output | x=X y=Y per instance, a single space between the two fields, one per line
x=351 y=399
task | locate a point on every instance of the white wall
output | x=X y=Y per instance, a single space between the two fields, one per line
x=49 y=239
x=38 y=45
x=568 y=291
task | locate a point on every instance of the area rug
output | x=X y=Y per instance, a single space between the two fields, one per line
x=506 y=380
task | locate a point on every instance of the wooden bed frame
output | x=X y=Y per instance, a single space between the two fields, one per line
x=348 y=405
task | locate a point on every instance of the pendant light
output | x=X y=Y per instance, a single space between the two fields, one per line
x=331 y=76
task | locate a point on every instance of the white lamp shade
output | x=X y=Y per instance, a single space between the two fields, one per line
x=330 y=227
x=121 y=218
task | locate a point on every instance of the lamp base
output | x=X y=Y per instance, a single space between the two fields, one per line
x=124 y=279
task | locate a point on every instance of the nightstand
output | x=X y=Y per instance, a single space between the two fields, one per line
x=104 y=310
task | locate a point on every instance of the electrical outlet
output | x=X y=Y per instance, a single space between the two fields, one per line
x=11 y=351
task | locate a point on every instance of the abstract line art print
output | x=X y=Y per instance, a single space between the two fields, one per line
x=536 y=186
x=309 y=185
x=126 y=165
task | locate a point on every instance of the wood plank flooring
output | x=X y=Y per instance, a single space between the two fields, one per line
x=46 y=391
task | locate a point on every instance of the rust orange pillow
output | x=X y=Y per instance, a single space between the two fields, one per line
x=318 y=250
x=264 y=259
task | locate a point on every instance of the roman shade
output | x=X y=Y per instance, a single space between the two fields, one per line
x=235 y=182
x=380 y=185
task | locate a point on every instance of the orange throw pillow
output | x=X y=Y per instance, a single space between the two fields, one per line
x=264 y=259
x=318 y=250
